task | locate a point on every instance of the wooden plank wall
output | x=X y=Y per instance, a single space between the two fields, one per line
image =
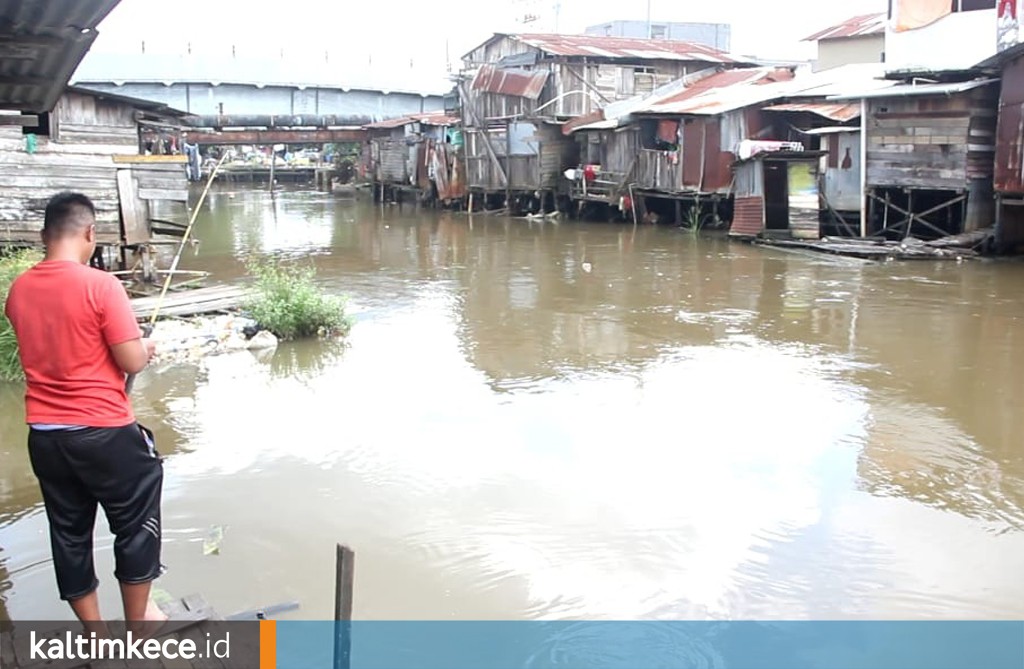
x=620 y=149
x=660 y=171
x=88 y=133
x=29 y=180
x=392 y=156
x=596 y=84
x=86 y=119
x=936 y=143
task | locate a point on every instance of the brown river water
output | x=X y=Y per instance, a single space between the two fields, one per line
x=579 y=420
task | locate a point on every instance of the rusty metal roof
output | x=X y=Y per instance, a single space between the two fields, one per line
x=858 y=26
x=621 y=48
x=43 y=43
x=432 y=118
x=830 y=110
x=504 y=81
x=723 y=92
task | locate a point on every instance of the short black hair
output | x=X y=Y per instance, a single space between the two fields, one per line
x=64 y=213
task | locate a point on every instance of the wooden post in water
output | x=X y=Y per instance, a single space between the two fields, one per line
x=343 y=586
x=273 y=161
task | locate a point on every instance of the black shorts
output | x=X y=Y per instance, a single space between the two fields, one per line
x=116 y=468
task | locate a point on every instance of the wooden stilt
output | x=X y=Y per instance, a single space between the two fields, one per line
x=343 y=589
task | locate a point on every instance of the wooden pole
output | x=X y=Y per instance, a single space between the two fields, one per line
x=508 y=165
x=343 y=586
x=273 y=161
x=148 y=328
x=864 y=168
x=632 y=204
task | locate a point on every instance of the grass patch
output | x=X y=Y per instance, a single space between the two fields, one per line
x=287 y=301
x=12 y=265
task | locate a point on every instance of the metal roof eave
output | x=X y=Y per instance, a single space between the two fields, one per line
x=46 y=41
x=907 y=90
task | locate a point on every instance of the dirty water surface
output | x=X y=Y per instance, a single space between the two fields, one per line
x=576 y=420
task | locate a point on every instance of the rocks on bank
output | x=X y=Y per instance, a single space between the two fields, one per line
x=183 y=340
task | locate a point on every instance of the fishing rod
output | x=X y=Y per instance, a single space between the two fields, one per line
x=148 y=328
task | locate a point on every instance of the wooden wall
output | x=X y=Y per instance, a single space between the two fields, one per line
x=932 y=142
x=29 y=180
x=591 y=83
x=390 y=158
x=537 y=166
x=87 y=119
x=587 y=87
x=94 y=149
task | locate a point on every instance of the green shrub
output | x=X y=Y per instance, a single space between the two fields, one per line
x=287 y=302
x=11 y=265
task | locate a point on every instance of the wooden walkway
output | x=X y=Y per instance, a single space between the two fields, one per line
x=215 y=299
x=868 y=249
x=190 y=618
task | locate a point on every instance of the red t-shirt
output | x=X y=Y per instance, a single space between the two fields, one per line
x=67 y=316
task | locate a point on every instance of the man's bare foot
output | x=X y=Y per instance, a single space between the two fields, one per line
x=154 y=613
x=150 y=626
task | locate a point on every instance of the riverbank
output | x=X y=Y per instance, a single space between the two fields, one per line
x=185 y=340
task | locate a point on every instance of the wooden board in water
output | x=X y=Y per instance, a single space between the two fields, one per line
x=191 y=302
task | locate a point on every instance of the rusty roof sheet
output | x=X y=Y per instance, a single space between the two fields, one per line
x=507 y=81
x=622 y=48
x=723 y=92
x=44 y=41
x=857 y=26
x=831 y=110
x=433 y=118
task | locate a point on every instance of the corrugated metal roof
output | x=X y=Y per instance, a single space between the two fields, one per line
x=503 y=81
x=171 y=69
x=711 y=92
x=899 y=89
x=722 y=92
x=621 y=48
x=44 y=42
x=857 y=26
x=433 y=118
x=834 y=111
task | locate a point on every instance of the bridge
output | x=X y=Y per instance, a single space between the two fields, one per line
x=246 y=101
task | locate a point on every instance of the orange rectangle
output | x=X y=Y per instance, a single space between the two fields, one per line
x=268 y=644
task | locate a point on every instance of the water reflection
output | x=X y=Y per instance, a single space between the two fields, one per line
x=303 y=360
x=579 y=420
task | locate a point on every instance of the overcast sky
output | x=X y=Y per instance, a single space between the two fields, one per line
x=393 y=32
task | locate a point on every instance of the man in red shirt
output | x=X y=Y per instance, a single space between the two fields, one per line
x=77 y=339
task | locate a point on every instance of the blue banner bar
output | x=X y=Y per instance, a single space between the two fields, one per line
x=655 y=645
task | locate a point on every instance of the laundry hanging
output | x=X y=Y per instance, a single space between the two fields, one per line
x=668 y=131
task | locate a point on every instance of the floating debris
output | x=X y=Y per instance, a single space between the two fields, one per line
x=213 y=540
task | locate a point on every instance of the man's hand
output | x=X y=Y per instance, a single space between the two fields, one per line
x=150 y=347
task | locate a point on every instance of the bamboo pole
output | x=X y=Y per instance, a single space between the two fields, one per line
x=148 y=328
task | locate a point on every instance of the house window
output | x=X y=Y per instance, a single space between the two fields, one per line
x=973 y=5
x=658 y=32
x=643 y=80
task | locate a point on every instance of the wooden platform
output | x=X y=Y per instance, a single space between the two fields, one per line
x=869 y=249
x=215 y=299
